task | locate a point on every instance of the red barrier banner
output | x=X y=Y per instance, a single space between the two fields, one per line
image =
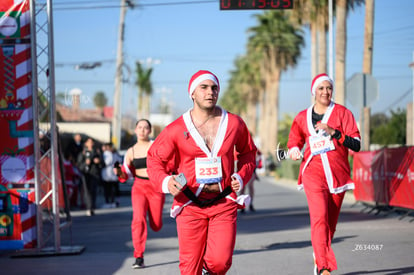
x=362 y=175
x=369 y=177
x=385 y=176
x=400 y=176
x=379 y=179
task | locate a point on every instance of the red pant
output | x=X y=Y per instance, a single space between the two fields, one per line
x=324 y=210
x=144 y=200
x=206 y=237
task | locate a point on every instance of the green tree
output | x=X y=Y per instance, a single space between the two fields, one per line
x=277 y=43
x=144 y=90
x=393 y=131
x=284 y=129
x=376 y=121
x=231 y=99
x=241 y=96
x=251 y=87
x=100 y=100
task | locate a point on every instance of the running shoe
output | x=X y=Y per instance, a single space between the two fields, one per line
x=139 y=263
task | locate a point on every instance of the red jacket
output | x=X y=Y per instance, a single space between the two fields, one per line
x=181 y=141
x=336 y=166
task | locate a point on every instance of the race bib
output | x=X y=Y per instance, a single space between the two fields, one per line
x=320 y=144
x=208 y=170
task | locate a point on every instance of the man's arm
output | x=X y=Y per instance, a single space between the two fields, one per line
x=246 y=158
x=161 y=162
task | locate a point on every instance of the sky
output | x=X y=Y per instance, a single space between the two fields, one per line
x=184 y=36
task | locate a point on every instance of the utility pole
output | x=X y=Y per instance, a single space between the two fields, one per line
x=117 y=116
x=367 y=69
x=410 y=140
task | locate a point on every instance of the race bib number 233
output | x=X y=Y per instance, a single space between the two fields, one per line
x=208 y=170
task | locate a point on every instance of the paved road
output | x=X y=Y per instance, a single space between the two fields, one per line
x=273 y=240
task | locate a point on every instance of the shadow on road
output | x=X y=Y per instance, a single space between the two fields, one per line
x=267 y=220
x=391 y=271
x=288 y=245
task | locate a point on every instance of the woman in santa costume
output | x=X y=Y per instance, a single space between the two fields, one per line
x=329 y=130
x=202 y=141
x=146 y=201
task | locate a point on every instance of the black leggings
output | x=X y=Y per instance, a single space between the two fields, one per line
x=110 y=191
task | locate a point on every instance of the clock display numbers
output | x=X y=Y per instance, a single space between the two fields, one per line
x=255 y=4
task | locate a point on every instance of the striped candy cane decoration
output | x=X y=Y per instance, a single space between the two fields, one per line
x=24 y=92
x=15 y=30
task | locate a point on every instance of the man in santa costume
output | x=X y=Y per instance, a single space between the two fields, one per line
x=329 y=131
x=202 y=142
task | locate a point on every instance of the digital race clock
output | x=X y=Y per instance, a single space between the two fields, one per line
x=255 y=4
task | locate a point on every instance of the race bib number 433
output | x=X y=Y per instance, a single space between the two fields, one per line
x=208 y=170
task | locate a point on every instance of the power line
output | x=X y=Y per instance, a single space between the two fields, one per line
x=390 y=31
x=398 y=100
x=410 y=28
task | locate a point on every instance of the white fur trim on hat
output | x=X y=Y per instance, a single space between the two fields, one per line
x=318 y=80
x=200 y=79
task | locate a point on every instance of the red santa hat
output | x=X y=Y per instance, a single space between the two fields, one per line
x=199 y=77
x=317 y=80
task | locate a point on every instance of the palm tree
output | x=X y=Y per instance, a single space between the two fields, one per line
x=342 y=9
x=243 y=91
x=278 y=42
x=309 y=13
x=241 y=96
x=254 y=87
x=248 y=77
x=144 y=90
x=232 y=99
x=100 y=100
x=340 y=53
x=322 y=23
x=314 y=13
